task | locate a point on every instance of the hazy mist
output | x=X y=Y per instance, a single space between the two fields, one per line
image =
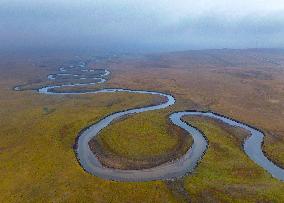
x=132 y=25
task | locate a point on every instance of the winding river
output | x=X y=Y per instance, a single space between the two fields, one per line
x=170 y=170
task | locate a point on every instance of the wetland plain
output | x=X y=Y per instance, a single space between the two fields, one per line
x=37 y=156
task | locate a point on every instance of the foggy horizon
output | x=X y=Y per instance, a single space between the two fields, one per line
x=135 y=26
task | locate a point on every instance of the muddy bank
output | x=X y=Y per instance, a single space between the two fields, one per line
x=112 y=160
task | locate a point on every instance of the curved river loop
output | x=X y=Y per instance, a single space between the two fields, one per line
x=170 y=170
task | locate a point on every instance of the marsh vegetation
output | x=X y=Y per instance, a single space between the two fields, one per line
x=37 y=159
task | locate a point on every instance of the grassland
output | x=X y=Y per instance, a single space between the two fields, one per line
x=225 y=173
x=240 y=84
x=38 y=131
x=37 y=159
x=139 y=142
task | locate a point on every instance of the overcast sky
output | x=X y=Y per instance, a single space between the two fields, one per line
x=150 y=25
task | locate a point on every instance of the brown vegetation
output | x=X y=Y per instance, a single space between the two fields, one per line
x=38 y=131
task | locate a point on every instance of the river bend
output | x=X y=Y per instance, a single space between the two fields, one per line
x=170 y=170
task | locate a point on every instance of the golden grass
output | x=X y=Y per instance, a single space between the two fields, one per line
x=37 y=159
x=226 y=174
x=139 y=137
x=217 y=89
x=37 y=162
x=141 y=141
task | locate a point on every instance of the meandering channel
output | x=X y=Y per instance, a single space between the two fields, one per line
x=170 y=170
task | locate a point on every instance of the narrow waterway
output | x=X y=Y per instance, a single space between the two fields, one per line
x=172 y=169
